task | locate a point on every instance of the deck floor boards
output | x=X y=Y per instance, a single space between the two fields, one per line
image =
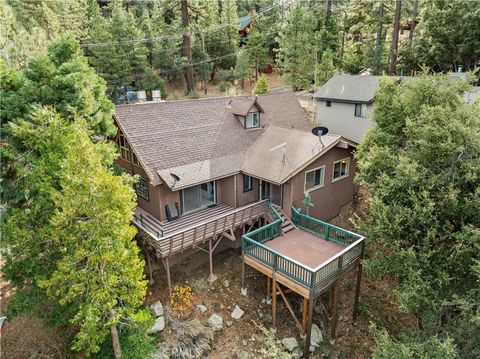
x=305 y=248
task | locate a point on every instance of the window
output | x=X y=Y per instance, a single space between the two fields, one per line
x=252 y=120
x=314 y=179
x=124 y=147
x=340 y=169
x=359 y=110
x=328 y=104
x=135 y=159
x=141 y=188
x=247 y=183
x=199 y=196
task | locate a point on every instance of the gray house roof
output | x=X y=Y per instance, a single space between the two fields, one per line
x=349 y=88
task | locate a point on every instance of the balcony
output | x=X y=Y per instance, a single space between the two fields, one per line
x=307 y=258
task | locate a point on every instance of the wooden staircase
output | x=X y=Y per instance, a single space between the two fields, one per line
x=287 y=224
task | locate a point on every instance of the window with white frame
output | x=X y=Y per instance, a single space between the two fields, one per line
x=141 y=188
x=252 y=120
x=340 y=169
x=360 y=110
x=247 y=183
x=314 y=178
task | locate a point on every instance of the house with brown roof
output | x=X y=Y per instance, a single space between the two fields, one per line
x=194 y=154
x=237 y=169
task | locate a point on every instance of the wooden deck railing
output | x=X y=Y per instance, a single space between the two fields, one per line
x=199 y=233
x=253 y=245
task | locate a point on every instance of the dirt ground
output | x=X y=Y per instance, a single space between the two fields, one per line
x=176 y=90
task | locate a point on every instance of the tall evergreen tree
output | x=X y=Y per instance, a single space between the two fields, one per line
x=229 y=33
x=420 y=164
x=297 y=46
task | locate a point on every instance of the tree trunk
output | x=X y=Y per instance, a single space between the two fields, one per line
x=414 y=17
x=378 y=41
x=329 y=11
x=117 y=352
x=394 y=49
x=187 y=48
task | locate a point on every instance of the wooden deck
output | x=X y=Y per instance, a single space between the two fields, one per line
x=193 y=229
x=165 y=228
x=305 y=248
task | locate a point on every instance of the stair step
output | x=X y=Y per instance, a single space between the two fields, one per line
x=286 y=223
x=288 y=228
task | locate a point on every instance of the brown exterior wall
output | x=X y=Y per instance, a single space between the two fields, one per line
x=244 y=198
x=328 y=199
x=152 y=206
x=226 y=190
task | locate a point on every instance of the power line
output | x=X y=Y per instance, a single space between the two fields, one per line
x=169 y=37
x=142 y=75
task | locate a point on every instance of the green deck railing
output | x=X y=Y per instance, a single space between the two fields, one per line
x=323 y=229
x=253 y=246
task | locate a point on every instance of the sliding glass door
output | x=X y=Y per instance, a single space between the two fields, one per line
x=199 y=196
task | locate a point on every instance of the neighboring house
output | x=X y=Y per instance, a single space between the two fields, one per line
x=343 y=104
x=244 y=24
x=233 y=150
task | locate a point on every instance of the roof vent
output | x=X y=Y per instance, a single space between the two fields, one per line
x=141 y=96
x=156 y=95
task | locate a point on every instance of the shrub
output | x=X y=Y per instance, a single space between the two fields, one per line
x=261 y=86
x=181 y=299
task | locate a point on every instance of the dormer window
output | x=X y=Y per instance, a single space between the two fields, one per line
x=252 y=120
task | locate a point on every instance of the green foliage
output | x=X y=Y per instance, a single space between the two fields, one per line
x=101 y=275
x=326 y=68
x=261 y=86
x=448 y=36
x=62 y=79
x=412 y=347
x=135 y=344
x=297 y=46
x=243 y=67
x=421 y=165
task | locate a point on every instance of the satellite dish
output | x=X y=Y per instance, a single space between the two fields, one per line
x=175 y=178
x=319 y=131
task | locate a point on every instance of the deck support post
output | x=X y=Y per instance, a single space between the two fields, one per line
x=167 y=268
x=357 y=291
x=269 y=288
x=334 y=311
x=149 y=265
x=274 y=298
x=243 y=270
x=305 y=315
x=311 y=303
x=211 y=277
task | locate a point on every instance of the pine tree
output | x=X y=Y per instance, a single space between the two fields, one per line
x=243 y=67
x=101 y=275
x=229 y=33
x=297 y=47
x=257 y=46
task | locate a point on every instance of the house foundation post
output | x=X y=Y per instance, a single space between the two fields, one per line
x=269 y=288
x=274 y=299
x=334 y=311
x=311 y=302
x=306 y=303
x=167 y=268
x=211 y=277
x=357 y=291
x=149 y=265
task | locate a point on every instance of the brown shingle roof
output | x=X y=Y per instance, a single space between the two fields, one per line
x=172 y=134
x=280 y=152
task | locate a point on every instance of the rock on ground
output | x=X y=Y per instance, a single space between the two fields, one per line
x=215 y=322
x=157 y=309
x=290 y=343
x=237 y=313
x=201 y=308
x=158 y=326
x=317 y=336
